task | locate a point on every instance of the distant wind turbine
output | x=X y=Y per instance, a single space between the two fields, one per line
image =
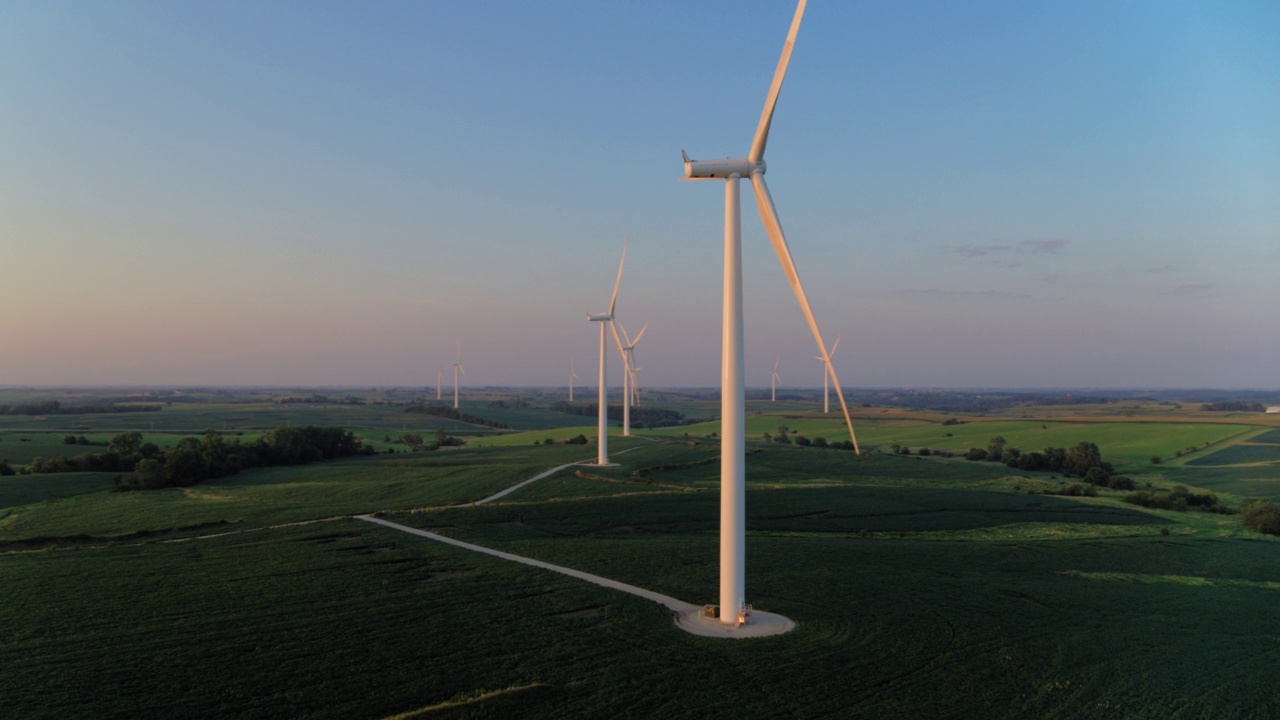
x=627 y=351
x=773 y=380
x=602 y=422
x=457 y=369
x=826 y=375
x=572 y=376
x=733 y=605
x=439 y=376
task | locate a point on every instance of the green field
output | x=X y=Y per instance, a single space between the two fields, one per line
x=921 y=586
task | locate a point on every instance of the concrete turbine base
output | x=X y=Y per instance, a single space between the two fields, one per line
x=759 y=624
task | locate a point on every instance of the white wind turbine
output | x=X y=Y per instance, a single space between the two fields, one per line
x=572 y=376
x=774 y=377
x=457 y=368
x=627 y=351
x=732 y=403
x=439 y=376
x=826 y=392
x=602 y=422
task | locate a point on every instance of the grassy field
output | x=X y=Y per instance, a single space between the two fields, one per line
x=921 y=587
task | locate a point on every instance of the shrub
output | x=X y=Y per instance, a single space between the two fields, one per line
x=1263 y=517
x=1121 y=482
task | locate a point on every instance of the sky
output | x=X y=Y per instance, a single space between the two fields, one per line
x=987 y=194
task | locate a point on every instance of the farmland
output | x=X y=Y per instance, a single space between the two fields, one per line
x=921 y=586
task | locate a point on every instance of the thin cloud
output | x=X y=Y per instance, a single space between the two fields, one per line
x=1007 y=256
x=939 y=292
x=974 y=251
x=1042 y=247
x=1189 y=289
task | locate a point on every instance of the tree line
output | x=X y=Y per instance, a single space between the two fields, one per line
x=452 y=414
x=144 y=466
x=641 y=417
x=54 y=407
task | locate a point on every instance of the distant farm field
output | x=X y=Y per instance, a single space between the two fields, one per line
x=1240 y=454
x=921 y=586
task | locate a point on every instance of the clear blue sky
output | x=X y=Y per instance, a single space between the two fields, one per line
x=976 y=194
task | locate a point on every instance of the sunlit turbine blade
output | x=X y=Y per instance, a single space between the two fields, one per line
x=772 y=226
x=622 y=329
x=617 y=341
x=766 y=117
x=833 y=347
x=614 y=300
x=636 y=341
x=776 y=363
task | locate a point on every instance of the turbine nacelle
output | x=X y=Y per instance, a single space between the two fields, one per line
x=605 y=317
x=712 y=169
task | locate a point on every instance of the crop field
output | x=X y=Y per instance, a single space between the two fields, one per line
x=1239 y=455
x=18 y=490
x=921 y=586
x=1270 y=437
x=284 y=494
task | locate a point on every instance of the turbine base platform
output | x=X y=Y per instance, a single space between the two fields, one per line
x=759 y=624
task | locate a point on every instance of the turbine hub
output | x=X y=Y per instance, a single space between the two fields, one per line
x=742 y=167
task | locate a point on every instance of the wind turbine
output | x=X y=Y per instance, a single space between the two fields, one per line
x=439 y=375
x=627 y=351
x=732 y=403
x=602 y=422
x=457 y=368
x=773 y=380
x=826 y=393
x=572 y=376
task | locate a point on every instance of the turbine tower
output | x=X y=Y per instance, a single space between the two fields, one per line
x=826 y=375
x=439 y=376
x=572 y=376
x=602 y=422
x=627 y=351
x=457 y=368
x=733 y=606
x=773 y=380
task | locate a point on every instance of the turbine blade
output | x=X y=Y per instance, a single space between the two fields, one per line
x=833 y=347
x=636 y=341
x=618 y=343
x=776 y=363
x=766 y=118
x=623 y=330
x=614 y=300
x=772 y=226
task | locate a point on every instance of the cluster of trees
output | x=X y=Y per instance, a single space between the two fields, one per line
x=211 y=456
x=76 y=440
x=53 y=407
x=518 y=404
x=195 y=459
x=440 y=439
x=786 y=437
x=898 y=449
x=1233 y=406
x=1179 y=498
x=1083 y=460
x=316 y=398
x=445 y=411
x=641 y=417
x=1261 y=515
